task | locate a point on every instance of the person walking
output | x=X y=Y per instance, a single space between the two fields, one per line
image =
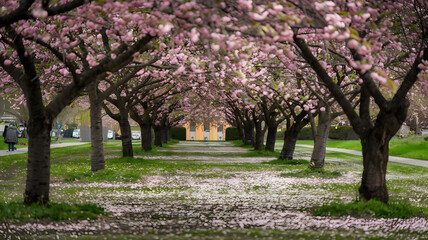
x=11 y=137
x=4 y=133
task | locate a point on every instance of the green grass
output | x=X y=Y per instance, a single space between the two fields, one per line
x=307 y=173
x=372 y=208
x=53 y=211
x=104 y=175
x=22 y=143
x=411 y=147
x=288 y=162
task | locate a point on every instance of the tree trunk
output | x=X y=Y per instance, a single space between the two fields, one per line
x=97 y=150
x=289 y=146
x=126 y=137
x=168 y=133
x=271 y=139
x=375 y=160
x=158 y=136
x=38 y=165
x=164 y=133
x=249 y=133
x=320 y=140
x=146 y=137
x=375 y=143
x=260 y=134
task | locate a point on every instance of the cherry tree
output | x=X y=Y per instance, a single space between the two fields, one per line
x=40 y=50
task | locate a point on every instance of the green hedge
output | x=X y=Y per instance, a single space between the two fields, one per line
x=178 y=133
x=305 y=134
x=336 y=132
x=232 y=134
x=342 y=133
x=280 y=135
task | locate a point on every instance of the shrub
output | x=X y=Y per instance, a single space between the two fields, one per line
x=342 y=133
x=305 y=133
x=178 y=133
x=232 y=133
x=280 y=135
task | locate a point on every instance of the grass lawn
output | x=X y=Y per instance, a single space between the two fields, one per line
x=246 y=194
x=22 y=142
x=411 y=147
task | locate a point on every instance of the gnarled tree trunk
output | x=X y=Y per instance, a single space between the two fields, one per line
x=375 y=143
x=290 y=139
x=158 y=136
x=38 y=165
x=271 y=138
x=146 y=137
x=249 y=133
x=260 y=135
x=126 y=136
x=97 y=150
x=320 y=140
x=164 y=133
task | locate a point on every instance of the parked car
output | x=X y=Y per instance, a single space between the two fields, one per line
x=136 y=135
x=112 y=134
x=76 y=133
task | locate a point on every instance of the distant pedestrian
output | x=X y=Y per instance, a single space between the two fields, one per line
x=11 y=137
x=4 y=133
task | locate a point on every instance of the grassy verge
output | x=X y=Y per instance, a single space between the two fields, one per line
x=411 y=147
x=308 y=173
x=22 y=143
x=372 y=208
x=53 y=211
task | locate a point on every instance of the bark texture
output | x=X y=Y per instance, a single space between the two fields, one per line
x=260 y=136
x=126 y=136
x=146 y=137
x=97 y=149
x=38 y=165
x=271 y=138
x=158 y=136
x=290 y=137
x=320 y=140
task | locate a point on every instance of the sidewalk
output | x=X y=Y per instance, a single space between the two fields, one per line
x=411 y=161
x=25 y=150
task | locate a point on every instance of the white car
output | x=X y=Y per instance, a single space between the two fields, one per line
x=136 y=135
x=76 y=133
x=110 y=134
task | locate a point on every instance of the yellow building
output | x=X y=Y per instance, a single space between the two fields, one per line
x=206 y=131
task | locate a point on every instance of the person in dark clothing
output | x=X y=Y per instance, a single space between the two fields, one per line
x=11 y=137
x=4 y=133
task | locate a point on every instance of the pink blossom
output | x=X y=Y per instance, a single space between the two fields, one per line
x=71 y=56
x=64 y=71
x=180 y=70
x=246 y=4
x=322 y=109
x=194 y=35
x=257 y=16
x=353 y=43
x=7 y=62
x=165 y=28
x=39 y=13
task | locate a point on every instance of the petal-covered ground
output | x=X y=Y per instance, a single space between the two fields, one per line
x=216 y=196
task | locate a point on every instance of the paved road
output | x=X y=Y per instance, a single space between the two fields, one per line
x=410 y=161
x=25 y=150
